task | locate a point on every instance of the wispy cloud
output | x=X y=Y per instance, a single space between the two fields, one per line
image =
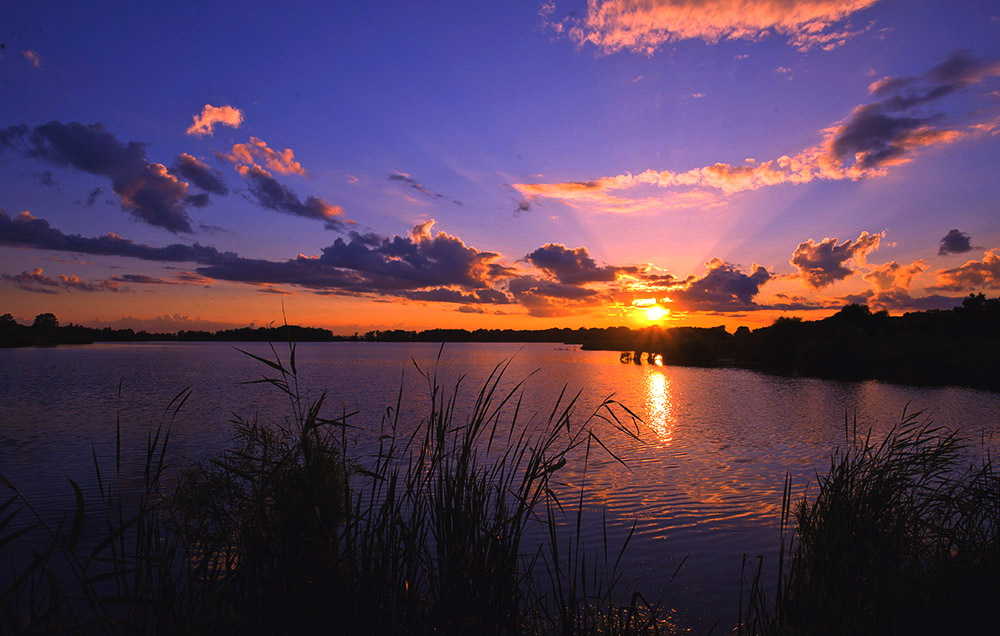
x=643 y=27
x=404 y=178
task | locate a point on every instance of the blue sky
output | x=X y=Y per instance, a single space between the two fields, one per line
x=521 y=131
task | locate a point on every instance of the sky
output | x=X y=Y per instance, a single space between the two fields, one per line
x=517 y=165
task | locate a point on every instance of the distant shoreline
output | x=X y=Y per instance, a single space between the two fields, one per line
x=956 y=347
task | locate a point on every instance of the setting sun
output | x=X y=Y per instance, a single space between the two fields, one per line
x=656 y=312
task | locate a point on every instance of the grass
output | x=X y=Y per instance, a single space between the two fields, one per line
x=901 y=538
x=286 y=532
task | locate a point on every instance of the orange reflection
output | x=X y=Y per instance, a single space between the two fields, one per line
x=660 y=406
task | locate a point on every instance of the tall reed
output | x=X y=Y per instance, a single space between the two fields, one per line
x=901 y=538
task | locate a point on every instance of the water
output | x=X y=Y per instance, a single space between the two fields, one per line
x=704 y=483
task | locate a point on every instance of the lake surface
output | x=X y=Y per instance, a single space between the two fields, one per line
x=704 y=483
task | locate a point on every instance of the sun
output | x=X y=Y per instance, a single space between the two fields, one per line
x=656 y=312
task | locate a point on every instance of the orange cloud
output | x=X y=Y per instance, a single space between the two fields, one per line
x=257 y=154
x=974 y=275
x=204 y=122
x=894 y=276
x=642 y=27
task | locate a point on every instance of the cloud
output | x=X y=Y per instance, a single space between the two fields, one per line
x=204 y=123
x=544 y=298
x=642 y=27
x=33 y=281
x=973 y=276
x=955 y=242
x=402 y=177
x=200 y=174
x=272 y=195
x=33 y=57
x=28 y=231
x=92 y=196
x=257 y=154
x=446 y=295
x=724 y=288
x=36 y=281
x=900 y=299
x=422 y=259
x=871 y=139
x=570 y=266
x=184 y=278
x=429 y=266
x=894 y=276
x=148 y=191
x=824 y=263
x=191 y=278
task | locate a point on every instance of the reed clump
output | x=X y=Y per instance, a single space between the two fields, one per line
x=901 y=538
x=286 y=533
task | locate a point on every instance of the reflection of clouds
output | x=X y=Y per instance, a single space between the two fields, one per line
x=660 y=406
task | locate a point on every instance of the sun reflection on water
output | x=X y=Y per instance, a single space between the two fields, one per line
x=660 y=406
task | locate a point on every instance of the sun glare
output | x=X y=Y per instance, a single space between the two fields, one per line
x=656 y=312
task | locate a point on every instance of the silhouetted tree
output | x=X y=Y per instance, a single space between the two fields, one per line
x=45 y=321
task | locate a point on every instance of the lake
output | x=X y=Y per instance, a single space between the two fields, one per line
x=704 y=482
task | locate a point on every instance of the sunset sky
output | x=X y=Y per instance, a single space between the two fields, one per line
x=505 y=165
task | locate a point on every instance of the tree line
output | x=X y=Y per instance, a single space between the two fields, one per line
x=958 y=346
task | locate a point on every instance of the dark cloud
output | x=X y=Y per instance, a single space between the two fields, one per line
x=875 y=137
x=571 y=266
x=955 y=242
x=422 y=259
x=724 y=288
x=402 y=177
x=889 y=130
x=33 y=281
x=523 y=205
x=274 y=196
x=547 y=298
x=184 y=278
x=147 y=191
x=365 y=264
x=200 y=174
x=444 y=295
x=973 y=276
x=37 y=282
x=824 y=263
x=28 y=231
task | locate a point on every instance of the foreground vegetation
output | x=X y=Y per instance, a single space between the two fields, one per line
x=286 y=532
x=901 y=537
